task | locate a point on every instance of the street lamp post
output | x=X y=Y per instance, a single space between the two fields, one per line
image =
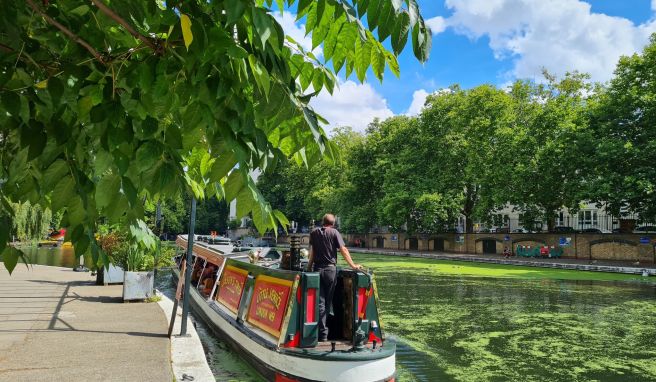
x=187 y=281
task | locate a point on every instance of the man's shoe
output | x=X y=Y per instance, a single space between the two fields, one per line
x=324 y=339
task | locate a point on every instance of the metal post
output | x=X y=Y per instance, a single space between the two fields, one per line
x=187 y=286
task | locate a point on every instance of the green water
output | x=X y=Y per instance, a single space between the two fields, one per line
x=457 y=321
x=525 y=324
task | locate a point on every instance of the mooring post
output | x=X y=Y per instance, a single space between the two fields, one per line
x=187 y=286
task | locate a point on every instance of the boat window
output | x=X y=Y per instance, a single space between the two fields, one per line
x=207 y=279
x=199 y=265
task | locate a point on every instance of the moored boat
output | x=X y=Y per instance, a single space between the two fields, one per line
x=270 y=317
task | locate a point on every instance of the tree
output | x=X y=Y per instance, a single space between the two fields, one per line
x=433 y=213
x=466 y=137
x=304 y=193
x=552 y=146
x=623 y=121
x=31 y=222
x=105 y=103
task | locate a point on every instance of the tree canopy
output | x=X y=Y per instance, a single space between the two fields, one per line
x=539 y=146
x=107 y=103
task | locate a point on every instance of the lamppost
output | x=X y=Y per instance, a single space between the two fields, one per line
x=187 y=281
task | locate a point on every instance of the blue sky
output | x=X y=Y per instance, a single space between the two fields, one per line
x=495 y=41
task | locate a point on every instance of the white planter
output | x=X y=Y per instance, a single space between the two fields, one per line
x=113 y=275
x=138 y=285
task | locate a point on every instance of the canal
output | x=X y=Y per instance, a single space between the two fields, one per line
x=453 y=322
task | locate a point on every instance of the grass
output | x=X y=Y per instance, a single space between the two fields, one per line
x=460 y=268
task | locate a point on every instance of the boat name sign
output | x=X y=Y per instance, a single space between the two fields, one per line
x=231 y=287
x=269 y=303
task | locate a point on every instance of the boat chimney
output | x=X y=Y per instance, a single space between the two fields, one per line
x=294 y=253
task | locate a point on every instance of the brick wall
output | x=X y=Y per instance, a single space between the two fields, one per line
x=624 y=247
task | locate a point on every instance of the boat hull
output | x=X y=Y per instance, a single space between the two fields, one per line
x=275 y=365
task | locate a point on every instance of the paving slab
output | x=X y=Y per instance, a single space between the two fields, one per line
x=57 y=325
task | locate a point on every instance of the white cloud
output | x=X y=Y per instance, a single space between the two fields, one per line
x=438 y=24
x=296 y=31
x=653 y=5
x=559 y=35
x=351 y=104
x=418 y=101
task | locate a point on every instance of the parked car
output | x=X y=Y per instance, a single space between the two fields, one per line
x=563 y=229
x=645 y=229
x=520 y=230
x=594 y=230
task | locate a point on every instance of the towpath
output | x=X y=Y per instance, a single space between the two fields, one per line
x=56 y=325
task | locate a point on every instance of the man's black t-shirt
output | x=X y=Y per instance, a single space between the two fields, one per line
x=325 y=242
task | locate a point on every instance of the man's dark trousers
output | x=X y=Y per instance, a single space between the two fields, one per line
x=328 y=280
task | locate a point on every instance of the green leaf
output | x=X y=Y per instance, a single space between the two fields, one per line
x=148 y=153
x=263 y=25
x=81 y=245
x=187 y=35
x=282 y=219
x=234 y=10
x=56 y=89
x=362 y=59
x=11 y=102
x=62 y=193
x=102 y=161
x=54 y=173
x=261 y=75
x=107 y=190
x=400 y=32
x=233 y=185
x=5 y=223
x=373 y=13
x=10 y=257
x=303 y=7
x=378 y=63
x=386 y=22
x=223 y=165
x=245 y=202
x=80 y=11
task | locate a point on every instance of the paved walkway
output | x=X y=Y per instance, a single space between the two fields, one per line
x=56 y=325
x=577 y=264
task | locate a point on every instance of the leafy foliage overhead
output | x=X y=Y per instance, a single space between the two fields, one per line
x=105 y=103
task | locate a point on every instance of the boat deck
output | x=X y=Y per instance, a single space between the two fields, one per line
x=339 y=346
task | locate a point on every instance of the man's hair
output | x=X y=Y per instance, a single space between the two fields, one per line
x=328 y=219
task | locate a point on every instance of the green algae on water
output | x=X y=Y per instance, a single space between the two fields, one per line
x=469 y=269
x=493 y=323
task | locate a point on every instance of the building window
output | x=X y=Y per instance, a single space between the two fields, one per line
x=561 y=218
x=588 y=218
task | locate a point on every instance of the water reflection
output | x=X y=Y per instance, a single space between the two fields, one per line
x=58 y=257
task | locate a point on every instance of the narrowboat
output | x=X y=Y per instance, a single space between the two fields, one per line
x=270 y=317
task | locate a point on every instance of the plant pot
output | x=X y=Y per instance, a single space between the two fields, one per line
x=113 y=275
x=138 y=285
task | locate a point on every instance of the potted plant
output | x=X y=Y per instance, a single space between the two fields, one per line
x=137 y=258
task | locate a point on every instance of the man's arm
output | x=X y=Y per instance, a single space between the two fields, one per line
x=310 y=259
x=347 y=256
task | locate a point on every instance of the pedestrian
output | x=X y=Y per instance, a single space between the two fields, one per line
x=506 y=252
x=325 y=241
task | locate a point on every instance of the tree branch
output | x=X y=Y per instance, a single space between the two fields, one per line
x=114 y=16
x=66 y=31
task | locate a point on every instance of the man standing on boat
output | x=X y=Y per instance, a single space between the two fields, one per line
x=324 y=244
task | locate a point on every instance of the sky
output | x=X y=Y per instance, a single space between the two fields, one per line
x=495 y=42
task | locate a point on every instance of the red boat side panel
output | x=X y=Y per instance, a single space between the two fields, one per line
x=362 y=301
x=269 y=303
x=231 y=287
x=310 y=305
